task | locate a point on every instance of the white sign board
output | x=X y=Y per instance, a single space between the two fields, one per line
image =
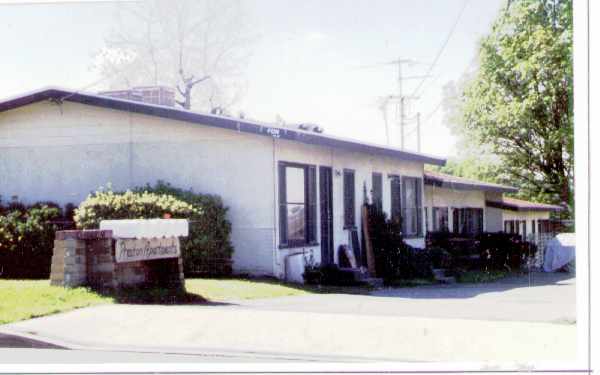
x=146 y=228
x=130 y=250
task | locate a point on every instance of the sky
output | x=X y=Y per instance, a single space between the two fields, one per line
x=313 y=61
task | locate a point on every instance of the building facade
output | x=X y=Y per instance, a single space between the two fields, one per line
x=462 y=205
x=288 y=191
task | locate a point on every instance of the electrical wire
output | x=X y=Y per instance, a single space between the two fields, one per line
x=441 y=50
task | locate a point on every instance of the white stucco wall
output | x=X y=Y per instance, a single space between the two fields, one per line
x=493 y=216
x=62 y=153
x=442 y=197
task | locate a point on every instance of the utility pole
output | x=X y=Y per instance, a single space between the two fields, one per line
x=399 y=97
x=402 y=122
x=401 y=113
x=418 y=131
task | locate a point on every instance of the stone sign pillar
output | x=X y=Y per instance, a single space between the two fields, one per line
x=122 y=253
x=75 y=254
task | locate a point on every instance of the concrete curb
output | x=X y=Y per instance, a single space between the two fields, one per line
x=209 y=352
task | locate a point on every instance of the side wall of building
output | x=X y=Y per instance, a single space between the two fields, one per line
x=493 y=216
x=62 y=153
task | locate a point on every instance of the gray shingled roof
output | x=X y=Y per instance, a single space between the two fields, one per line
x=460 y=183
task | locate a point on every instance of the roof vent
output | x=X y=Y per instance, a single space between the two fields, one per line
x=311 y=127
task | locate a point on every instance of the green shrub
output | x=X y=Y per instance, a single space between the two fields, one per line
x=483 y=251
x=330 y=275
x=440 y=258
x=504 y=251
x=27 y=238
x=130 y=205
x=206 y=251
x=394 y=259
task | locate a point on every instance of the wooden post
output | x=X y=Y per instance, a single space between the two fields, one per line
x=368 y=245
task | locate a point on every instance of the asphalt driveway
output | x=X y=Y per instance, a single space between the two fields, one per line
x=538 y=297
x=518 y=319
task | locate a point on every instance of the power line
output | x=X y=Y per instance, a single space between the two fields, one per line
x=437 y=107
x=437 y=57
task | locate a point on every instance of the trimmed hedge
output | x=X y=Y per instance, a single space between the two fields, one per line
x=27 y=238
x=130 y=205
x=206 y=251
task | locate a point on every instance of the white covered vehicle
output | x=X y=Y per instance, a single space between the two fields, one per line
x=560 y=252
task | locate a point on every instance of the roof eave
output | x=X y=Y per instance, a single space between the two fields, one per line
x=514 y=207
x=467 y=186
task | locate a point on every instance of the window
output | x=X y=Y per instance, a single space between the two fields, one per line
x=377 y=191
x=297 y=204
x=533 y=227
x=395 y=197
x=511 y=226
x=544 y=226
x=467 y=220
x=411 y=206
x=440 y=219
x=349 y=208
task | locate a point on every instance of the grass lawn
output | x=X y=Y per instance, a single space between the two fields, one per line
x=25 y=299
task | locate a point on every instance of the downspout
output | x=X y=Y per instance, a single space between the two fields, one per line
x=130 y=161
x=275 y=262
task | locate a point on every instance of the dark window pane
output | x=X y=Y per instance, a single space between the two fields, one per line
x=311 y=225
x=282 y=206
x=377 y=192
x=410 y=193
x=455 y=224
x=410 y=222
x=411 y=202
x=349 y=207
x=395 y=197
x=440 y=218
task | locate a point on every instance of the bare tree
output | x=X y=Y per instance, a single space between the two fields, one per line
x=197 y=46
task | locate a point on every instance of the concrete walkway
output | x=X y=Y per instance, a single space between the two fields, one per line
x=393 y=325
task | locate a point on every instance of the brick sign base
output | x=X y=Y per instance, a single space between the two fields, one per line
x=87 y=258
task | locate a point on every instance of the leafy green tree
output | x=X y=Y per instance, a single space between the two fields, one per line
x=520 y=100
x=474 y=168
